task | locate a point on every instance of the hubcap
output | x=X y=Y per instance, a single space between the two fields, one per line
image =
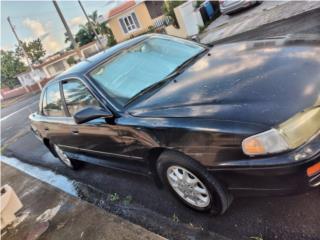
x=62 y=156
x=188 y=186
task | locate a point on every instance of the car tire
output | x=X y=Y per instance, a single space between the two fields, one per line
x=70 y=163
x=172 y=164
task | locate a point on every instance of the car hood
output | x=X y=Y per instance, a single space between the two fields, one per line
x=261 y=82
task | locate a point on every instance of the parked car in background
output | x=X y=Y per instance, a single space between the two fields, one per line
x=231 y=6
x=208 y=123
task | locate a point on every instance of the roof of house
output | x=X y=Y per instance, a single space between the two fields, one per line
x=121 y=8
x=87 y=64
x=64 y=55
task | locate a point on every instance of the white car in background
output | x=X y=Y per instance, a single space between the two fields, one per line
x=231 y=6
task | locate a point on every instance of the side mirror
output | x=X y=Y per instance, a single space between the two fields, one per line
x=89 y=113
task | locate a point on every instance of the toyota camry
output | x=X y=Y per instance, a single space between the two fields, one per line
x=207 y=122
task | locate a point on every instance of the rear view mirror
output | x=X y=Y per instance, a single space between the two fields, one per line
x=90 y=113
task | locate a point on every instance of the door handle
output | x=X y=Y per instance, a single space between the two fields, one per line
x=46 y=129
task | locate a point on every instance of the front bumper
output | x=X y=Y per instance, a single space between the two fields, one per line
x=281 y=174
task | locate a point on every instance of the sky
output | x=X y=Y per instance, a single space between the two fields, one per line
x=39 y=19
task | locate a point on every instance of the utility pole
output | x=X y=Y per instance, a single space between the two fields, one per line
x=74 y=44
x=23 y=51
x=91 y=26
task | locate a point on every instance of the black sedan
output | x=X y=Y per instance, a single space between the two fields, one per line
x=209 y=123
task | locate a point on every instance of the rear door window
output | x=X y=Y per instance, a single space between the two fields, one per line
x=52 y=104
x=77 y=96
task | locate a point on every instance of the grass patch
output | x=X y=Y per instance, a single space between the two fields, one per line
x=113 y=197
x=175 y=218
x=256 y=237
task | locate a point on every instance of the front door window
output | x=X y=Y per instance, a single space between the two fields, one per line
x=77 y=96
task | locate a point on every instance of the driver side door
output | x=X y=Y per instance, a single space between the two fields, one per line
x=99 y=137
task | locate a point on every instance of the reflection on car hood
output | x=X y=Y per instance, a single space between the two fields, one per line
x=262 y=82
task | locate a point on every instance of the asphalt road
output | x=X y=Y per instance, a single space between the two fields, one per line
x=291 y=217
x=15 y=121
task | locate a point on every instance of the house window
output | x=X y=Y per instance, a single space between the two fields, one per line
x=129 y=23
x=56 y=68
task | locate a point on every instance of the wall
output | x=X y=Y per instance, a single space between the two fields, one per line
x=19 y=91
x=188 y=19
x=144 y=20
x=87 y=51
x=32 y=77
x=13 y=93
x=191 y=18
x=51 y=71
x=177 y=32
x=90 y=51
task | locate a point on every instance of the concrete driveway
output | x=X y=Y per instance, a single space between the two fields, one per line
x=267 y=12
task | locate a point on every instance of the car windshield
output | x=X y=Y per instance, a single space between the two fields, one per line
x=145 y=64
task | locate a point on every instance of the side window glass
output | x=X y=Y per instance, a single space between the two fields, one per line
x=77 y=96
x=52 y=105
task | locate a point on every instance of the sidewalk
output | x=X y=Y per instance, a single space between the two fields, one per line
x=49 y=213
x=254 y=18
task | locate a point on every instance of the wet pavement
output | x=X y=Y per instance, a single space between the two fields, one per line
x=291 y=217
x=48 y=213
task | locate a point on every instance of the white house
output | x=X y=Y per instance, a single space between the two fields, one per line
x=59 y=63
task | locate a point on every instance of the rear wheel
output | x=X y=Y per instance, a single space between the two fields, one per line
x=73 y=164
x=192 y=184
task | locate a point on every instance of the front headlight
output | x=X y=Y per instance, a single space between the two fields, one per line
x=288 y=135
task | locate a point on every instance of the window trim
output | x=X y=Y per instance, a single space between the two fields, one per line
x=62 y=93
x=44 y=93
x=105 y=102
x=65 y=107
x=125 y=16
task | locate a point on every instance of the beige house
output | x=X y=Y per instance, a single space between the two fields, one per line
x=133 y=18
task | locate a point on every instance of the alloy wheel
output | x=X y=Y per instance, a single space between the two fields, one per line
x=189 y=187
x=63 y=157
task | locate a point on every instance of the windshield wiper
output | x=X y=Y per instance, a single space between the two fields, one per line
x=147 y=89
x=178 y=69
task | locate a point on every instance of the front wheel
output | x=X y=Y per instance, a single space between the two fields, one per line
x=65 y=159
x=192 y=184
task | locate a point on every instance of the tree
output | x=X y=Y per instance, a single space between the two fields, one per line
x=11 y=65
x=168 y=10
x=103 y=29
x=34 y=50
x=85 y=33
x=71 y=61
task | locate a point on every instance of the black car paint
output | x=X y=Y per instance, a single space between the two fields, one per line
x=234 y=92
